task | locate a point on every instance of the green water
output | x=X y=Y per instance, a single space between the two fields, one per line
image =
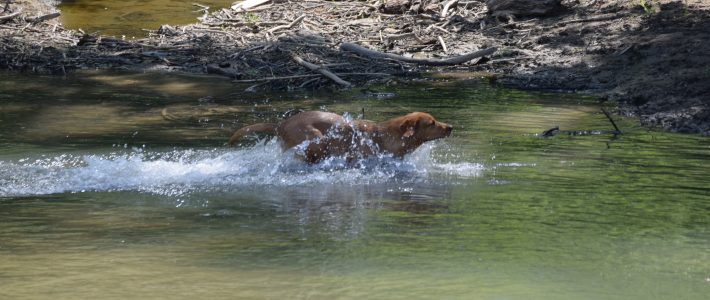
x=493 y=212
x=129 y=17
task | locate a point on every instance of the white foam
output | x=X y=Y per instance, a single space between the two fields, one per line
x=183 y=170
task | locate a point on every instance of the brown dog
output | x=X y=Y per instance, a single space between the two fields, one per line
x=332 y=135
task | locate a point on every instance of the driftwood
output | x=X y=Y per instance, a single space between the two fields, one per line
x=288 y=26
x=319 y=69
x=420 y=61
x=248 y=4
x=44 y=17
x=447 y=6
x=10 y=16
x=264 y=41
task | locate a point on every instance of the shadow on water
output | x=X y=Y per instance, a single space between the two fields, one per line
x=652 y=65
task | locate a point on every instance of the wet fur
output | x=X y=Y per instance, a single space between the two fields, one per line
x=332 y=135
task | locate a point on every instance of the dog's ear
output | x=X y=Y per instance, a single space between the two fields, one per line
x=407 y=128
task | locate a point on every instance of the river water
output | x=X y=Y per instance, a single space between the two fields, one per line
x=128 y=18
x=119 y=186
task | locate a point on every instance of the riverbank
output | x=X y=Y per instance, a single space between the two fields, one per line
x=655 y=62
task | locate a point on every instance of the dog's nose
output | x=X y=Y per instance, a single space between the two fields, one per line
x=449 y=129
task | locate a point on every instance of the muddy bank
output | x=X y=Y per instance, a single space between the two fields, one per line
x=654 y=62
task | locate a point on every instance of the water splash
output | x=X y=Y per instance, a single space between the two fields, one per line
x=176 y=172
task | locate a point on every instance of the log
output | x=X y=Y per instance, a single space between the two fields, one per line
x=420 y=61
x=523 y=7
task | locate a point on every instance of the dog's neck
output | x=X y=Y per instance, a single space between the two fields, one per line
x=391 y=140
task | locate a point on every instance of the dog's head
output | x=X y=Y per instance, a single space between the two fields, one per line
x=423 y=127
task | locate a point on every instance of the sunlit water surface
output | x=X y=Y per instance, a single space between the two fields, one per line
x=129 y=18
x=120 y=187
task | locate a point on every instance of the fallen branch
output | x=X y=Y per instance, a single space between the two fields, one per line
x=246 y=5
x=612 y=121
x=10 y=16
x=44 y=17
x=421 y=61
x=288 y=26
x=445 y=10
x=324 y=71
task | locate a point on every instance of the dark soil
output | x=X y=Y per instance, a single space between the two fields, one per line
x=656 y=64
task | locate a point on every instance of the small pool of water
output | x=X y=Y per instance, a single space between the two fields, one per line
x=129 y=18
x=120 y=186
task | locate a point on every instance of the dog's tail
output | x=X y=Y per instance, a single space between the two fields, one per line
x=265 y=128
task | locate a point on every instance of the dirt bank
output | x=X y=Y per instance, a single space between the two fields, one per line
x=655 y=62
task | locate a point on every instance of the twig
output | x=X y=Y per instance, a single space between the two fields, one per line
x=204 y=7
x=272 y=30
x=321 y=70
x=443 y=44
x=612 y=121
x=421 y=61
x=402 y=36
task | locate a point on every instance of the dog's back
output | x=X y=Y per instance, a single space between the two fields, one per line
x=308 y=125
x=333 y=135
x=261 y=128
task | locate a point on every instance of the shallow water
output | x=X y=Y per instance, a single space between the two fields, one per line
x=120 y=186
x=129 y=17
